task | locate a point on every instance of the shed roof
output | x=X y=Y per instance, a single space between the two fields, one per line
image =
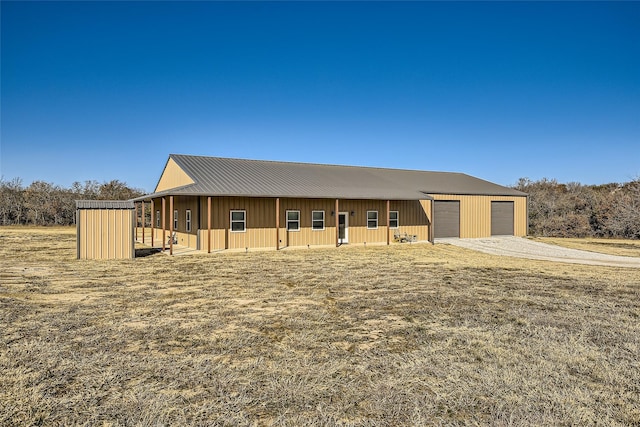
x=216 y=176
x=105 y=204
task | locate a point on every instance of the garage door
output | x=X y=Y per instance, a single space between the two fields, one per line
x=446 y=221
x=502 y=218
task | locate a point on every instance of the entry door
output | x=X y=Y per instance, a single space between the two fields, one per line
x=343 y=227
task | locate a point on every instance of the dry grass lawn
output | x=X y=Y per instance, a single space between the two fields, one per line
x=400 y=335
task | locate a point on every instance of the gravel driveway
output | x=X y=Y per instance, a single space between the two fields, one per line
x=523 y=248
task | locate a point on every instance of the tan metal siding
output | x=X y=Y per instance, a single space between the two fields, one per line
x=475 y=214
x=414 y=217
x=358 y=231
x=105 y=233
x=260 y=222
x=306 y=235
x=173 y=176
x=260 y=229
x=181 y=204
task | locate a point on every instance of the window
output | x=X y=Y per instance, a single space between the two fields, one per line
x=157 y=219
x=188 y=220
x=317 y=220
x=175 y=219
x=394 y=221
x=372 y=219
x=293 y=220
x=238 y=221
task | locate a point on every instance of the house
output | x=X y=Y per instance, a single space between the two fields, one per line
x=212 y=203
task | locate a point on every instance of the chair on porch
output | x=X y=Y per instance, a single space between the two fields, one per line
x=404 y=237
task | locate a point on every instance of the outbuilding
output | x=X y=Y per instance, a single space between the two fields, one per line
x=105 y=229
x=213 y=203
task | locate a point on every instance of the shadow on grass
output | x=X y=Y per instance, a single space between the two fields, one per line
x=145 y=252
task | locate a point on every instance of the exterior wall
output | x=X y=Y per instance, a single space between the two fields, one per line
x=260 y=223
x=172 y=176
x=261 y=219
x=475 y=214
x=181 y=204
x=306 y=235
x=105 y=233
x=414 y=219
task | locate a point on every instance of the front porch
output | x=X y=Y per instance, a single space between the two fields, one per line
x=212 y=224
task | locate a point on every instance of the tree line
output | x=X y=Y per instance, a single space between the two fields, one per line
x=576 y=210
x=44 y=203
x=555 y=209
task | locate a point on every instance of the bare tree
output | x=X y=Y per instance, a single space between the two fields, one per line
x=117 y=190
x=38 y=202
x=576 y=210
x=44 y=203
x=625 y=213
x=11 y=201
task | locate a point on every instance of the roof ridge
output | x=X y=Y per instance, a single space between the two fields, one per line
x=313 y=164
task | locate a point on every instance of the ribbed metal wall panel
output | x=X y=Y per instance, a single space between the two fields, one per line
x=105 y=233
x=475 y=214
x=260 y=221
x=172 y=177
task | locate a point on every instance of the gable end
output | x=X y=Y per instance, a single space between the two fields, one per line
x=172 y=177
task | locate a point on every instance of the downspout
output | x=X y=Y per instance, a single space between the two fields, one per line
x=78 y=232
x=171 y=222
x=388 y=220
x=431 y=226
x=134 y=214
x=209 y=224
x=164 y=223
x=198 y=229
x=277 y=223
x=153 y=230
x=526 y=232
x=337 y=217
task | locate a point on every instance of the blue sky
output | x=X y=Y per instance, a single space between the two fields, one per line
x=107 y=90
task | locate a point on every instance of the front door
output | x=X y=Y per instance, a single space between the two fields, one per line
x=343 y=227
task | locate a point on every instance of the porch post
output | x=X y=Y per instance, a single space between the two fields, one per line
x=337 y=223
x=209 y=224
x=164 y=223
x=277 y=223
x=171 y=219
x=144 y=217
x=136 y=216
x=153 y=230
x=432 y=237
x=388 y=220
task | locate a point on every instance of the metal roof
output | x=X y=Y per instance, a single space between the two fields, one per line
x=215 y=176
x=105 y=204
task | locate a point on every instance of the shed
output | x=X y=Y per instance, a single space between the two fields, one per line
x=105 y=229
